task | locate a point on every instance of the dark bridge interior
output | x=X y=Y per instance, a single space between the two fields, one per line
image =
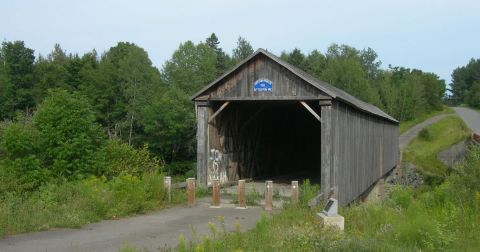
x=272 y=140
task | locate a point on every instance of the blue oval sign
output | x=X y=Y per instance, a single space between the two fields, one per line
x=262 y=85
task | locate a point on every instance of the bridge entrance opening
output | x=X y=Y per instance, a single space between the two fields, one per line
x=278 y=140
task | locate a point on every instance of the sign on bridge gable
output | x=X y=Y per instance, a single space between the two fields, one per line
x=262 y=85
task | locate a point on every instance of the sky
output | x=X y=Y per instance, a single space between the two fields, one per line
x=434 y=36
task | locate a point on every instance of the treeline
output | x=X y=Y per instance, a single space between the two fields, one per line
x=136 y=103
x=465 y=87
x=401 y=92
x=132 y=100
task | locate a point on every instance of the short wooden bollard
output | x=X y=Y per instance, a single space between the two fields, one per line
x=295 y=192
x=191 y=191
x=268 y=195
x=242 y=202
x=215 y=193
x=167 y=183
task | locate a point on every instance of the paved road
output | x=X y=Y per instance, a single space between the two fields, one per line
x=470 y=117
x=411 y=133
x=150 y=232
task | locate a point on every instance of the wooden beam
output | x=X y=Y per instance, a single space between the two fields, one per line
x=311 y=111
x=202 y=144
x=251 y=118
x=269 y=98
x=326 y=151
x=224 y=105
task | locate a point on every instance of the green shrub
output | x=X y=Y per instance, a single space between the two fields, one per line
x=19 y=143
x=181 y=167
x=68 y=133
x=308 y=191
x=425 y=134
x=117 y=158
x=75 y=203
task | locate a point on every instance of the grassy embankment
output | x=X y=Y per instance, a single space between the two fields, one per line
x=76 y=203
x=423 y=150
x=405 y=125
x=445 y=217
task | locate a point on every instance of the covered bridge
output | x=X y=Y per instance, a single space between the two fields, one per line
x=267 y=119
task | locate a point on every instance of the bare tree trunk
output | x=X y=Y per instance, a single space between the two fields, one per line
x=131 y=130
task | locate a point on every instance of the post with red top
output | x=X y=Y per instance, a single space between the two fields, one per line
x=242 y=202
x=215 y=193
x=268 y=195
x=191 y=191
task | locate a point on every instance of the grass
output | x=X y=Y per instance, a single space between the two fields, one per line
x=440 y=218
x=423 y=150
x=76 y=203
x=405 y=125
x=445 y=218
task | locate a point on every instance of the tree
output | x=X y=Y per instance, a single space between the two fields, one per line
x=223 y=61
x=463 y=79
x=296 y=58
x=191 y=67
x=139 y=81
x=473 y=96
x=170 y=124
x=68 y=134
x=242 y=51
x=17 y=80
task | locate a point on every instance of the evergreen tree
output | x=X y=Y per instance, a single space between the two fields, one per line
x=223 y=60
x=17 y=81
x=242 y=51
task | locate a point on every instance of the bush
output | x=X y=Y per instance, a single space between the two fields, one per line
x=425 y=134
x=19 y=143
x=75 y=203
x=181 y=167
x=69 y=135
x=117 y=158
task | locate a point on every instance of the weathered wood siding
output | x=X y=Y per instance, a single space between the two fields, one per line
x=239 y=85
x=365 y=148
x=202 y=141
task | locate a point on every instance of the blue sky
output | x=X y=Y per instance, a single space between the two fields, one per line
x=435 y=36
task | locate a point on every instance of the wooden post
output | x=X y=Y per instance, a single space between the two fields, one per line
x=268 y=195
x=326 y=149
x=242 y=202
x=295 y=193
x=167 y=183
x=202 y=109
x=215 y=193
x=191 y=191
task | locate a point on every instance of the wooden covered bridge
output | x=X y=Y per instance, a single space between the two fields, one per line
x=268 y=119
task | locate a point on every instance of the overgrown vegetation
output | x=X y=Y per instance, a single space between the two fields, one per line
x=406 y=125
x=443 y=218
x=423 y=150
x=75 y=203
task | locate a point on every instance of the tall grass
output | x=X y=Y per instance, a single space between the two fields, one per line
x=75 y=203
x=445 y=218
x=423 y=150
x=441 y=218
x=406 y=125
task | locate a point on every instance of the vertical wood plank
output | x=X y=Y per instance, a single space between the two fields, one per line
x=202 y=143
x=326 y=150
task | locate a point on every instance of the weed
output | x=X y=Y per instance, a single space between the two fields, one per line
x=253 y=196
